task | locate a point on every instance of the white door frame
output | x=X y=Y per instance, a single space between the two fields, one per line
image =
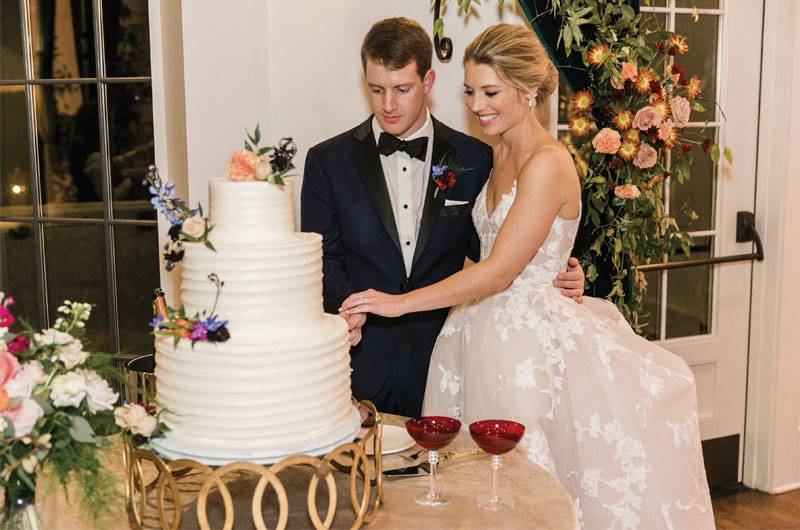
x=772 y=434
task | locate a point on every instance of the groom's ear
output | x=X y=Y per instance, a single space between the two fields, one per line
x=428 y=80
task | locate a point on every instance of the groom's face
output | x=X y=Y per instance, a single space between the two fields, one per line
x=397 y=97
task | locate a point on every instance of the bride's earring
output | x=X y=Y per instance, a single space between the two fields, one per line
x=531 y=101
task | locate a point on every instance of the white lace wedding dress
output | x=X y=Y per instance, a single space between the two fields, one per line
x=611 y=415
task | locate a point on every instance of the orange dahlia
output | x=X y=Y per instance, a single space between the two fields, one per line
x=694 y=87
x=662 y=107
x=632 y=136
x=627 y=151
x=598 y=54
x=579 y=125
x=623 y=120
x=582 y=100
x=677 y=44
x=642 y=84
x=669 y=134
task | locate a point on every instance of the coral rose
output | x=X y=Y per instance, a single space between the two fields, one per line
x=646 y=118
x=627 y=191
x=606 y=141
x=242 y=165
x=8 y=365
x=629 y=71
x=646 y=157
x=4 y=399
x=681 y=110
x=24 y=417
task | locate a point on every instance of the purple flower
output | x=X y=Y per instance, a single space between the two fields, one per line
x=438 y=170
x=156 y=323
x=199 y=331
x=214 y=324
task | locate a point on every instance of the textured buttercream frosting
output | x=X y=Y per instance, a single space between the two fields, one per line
x=281 y=384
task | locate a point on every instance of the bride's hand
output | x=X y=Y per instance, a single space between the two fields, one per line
x=372 y=301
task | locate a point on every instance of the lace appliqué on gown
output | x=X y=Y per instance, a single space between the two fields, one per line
x=608 y=413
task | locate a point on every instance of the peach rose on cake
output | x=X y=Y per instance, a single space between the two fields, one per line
x=242 y=166
x=607 y=141
x=646 y=118
x=194 y=227
x=263 y=170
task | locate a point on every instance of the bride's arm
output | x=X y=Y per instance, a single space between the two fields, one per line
x=543 y=187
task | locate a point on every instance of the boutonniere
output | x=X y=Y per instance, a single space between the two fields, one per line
x=445 y=175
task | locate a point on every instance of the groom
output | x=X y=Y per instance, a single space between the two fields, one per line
x=371 y=193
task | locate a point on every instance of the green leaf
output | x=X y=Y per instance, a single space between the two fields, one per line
x=81 y=431
x=567 y=35
x=628 y=13
x=209 y=246
x=264 y=150
x=257 y=137
x=728 y=155
x=715 y=154
x=438 y=27
x=248 y=146
x=697 y=106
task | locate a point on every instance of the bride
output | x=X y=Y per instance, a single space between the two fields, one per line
x=610 y=414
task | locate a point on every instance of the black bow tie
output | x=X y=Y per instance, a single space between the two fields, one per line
x=416 y=148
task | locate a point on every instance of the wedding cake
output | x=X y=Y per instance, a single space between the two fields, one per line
x=281 y=384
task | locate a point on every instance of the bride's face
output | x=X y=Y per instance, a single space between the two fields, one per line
x=497 y=105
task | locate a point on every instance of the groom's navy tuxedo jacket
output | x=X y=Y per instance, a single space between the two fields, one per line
x=345 y=198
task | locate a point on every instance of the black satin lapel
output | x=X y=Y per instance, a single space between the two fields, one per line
x=369 y=168
x=442 y=150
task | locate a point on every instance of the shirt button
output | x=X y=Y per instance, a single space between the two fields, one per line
x=408 y=243
x=404 y=169
x=405 y=207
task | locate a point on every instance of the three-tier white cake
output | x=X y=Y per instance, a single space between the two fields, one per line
x=281 y=384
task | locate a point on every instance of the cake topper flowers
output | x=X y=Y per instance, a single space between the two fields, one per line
x=187 y=224
x=270 y=163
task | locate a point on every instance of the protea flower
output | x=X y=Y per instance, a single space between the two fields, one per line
x=598 y=54
x=582 y=100
x=627 y=151
x=623 y=120
x=644 y=81
x=694 y=87
x=579 y=125
x=677 y=44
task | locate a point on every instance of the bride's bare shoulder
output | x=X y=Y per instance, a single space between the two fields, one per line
x=550 y=162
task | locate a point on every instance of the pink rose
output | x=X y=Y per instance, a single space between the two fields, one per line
x=665 y=130
x=646 y=118
x=24 y=417
x=8 y=364
x=242 y=165
x=646 y=157
x=606 y=141
x=629 y=71
x=627 y=191
x=194 y=226
x=681 y=110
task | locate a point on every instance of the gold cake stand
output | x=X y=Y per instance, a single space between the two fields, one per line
x=155 y=483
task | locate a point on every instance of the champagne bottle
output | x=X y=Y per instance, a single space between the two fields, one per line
x=159 y=303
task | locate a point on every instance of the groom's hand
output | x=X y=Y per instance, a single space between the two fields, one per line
x=571 y=282
x=354 y=324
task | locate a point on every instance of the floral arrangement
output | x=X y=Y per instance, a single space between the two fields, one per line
x=625 y=127
x=187 y=224
x=270 y=163
x=444 y=175
x=202 y=327
x=57 y=408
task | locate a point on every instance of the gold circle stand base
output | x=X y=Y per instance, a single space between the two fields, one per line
x=158 y=490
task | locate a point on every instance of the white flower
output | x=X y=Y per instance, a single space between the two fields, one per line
x=25 y=380
x=99 y=395
x=194 y=226
x=263 y=170
x=24 y=417
x=49 y=337
x=29 y=463
x=68 y=390
x=136 y=419
x=72 y=354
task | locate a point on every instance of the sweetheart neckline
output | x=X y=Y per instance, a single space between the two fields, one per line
x=511 y=192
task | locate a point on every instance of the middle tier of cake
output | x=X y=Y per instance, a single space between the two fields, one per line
x=277 y=286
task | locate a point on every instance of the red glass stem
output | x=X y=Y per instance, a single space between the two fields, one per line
x=433 y=460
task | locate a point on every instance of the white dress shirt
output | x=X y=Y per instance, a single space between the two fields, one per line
x=406 y=180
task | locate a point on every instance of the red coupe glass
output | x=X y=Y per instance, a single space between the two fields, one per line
x=496 y=437
x=433 y=433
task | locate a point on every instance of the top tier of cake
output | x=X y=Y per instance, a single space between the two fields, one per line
x=249 y=213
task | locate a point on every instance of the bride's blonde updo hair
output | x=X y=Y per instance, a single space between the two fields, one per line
x=516 y=55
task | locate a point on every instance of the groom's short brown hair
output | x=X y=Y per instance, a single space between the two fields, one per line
x=395 y=42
